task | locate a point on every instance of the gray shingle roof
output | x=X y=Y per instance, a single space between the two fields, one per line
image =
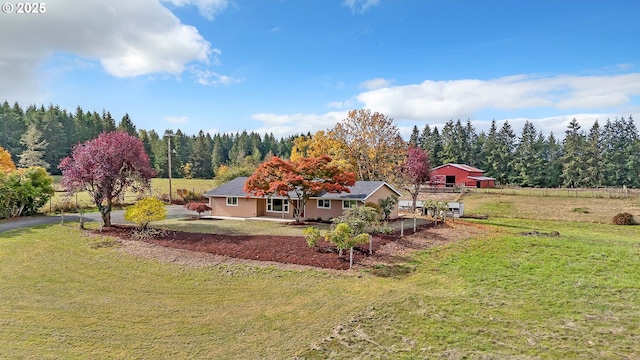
x=360 y=191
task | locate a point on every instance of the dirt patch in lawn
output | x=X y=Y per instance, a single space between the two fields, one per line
x=197 y=249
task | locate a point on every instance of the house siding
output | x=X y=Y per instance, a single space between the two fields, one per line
x=382 y=193
x=312 y=211
x=246 y=207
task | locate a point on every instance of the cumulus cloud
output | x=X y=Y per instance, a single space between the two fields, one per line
x=128 y=38
x=207 y=8
x=360 y=6
x=376 y=83
x=441 y=100
x=176 y=119
x=208 y=77
x=284 y=125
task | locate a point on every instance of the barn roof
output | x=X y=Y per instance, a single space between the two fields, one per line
x=460 y=166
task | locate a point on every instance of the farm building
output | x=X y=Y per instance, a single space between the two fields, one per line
x=230 y=200
x=459 y=175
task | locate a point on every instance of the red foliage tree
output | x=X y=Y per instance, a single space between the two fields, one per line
x=298 y=180
x=105 y=167
x=415 y=171
x=197 y=207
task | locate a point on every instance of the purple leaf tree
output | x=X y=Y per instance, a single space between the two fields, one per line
x=416 y=170
x=105 y=167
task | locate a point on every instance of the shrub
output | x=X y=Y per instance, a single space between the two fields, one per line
x=64 y=206
x=374 y=206
x=623 y=219
x=146 y=211
x=197 y=207
x=194 y=196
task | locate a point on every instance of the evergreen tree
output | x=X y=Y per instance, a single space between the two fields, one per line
x=529 y=165
x=415 y=136
x=148 y=148
x=127 y=125
x=12 y=126
x=489 y=151
x=504 y=153
x=34 y=149
x=553 y=153
x=108 y=123
x=593 y=157
x=424 y=139
x=573 y=158
x=201 y=157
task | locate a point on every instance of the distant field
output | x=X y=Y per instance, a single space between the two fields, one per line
x=159 y=186
x=584 y=209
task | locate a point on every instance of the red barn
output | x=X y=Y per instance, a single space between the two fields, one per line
x=460 y=175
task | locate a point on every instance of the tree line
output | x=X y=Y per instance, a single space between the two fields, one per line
x=366 y=143
x=39 y=136
x=606 y=155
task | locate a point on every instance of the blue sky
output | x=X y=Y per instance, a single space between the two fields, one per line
x=286 y=66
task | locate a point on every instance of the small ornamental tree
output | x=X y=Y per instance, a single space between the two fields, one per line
x=343 y=236
x=6 y=164
x=145 y=211
x=387 y=205
x=298 y=180
x=415 y=171
x=197 y=207
x=105 y=167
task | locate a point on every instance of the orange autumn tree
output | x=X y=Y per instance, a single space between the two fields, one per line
x=298 y=180
x=6 y=164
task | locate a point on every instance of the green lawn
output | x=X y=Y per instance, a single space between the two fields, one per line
x=64 y=294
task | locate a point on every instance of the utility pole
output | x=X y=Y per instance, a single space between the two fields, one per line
x=169 y=157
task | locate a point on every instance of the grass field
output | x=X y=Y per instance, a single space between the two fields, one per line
x=158 y=187
x=64 y=294
x=581 y=209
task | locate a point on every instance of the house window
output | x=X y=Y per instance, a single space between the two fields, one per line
x=232 y=201
x=278 y=205
x=348 y=204
x=324 y=203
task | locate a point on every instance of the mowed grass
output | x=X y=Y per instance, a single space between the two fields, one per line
x=509 y=296
x=64 y=294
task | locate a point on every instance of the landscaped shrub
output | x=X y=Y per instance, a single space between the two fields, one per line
x=193 y=196
x=623 y=219
x=64 y=206
x=197 y=207
x=146 y=211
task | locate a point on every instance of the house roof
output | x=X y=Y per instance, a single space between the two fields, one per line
x=459 y=166
x=360 y=191
x=481 y=178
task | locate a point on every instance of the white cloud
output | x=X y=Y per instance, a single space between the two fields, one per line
x=360 y=6
x=176 y=119
x=376 y=83
x=442 y=100
x=208 y=77
x=284 y=125
x=128 y=38
x=207 y=8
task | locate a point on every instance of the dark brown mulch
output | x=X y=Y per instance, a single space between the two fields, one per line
x=282 y=249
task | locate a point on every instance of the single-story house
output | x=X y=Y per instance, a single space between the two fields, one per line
x=459 y=175
x=230 y=200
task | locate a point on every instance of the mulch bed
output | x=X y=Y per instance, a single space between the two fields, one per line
x=282 y=249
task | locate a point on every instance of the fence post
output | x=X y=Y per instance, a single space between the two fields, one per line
x=402 y=228
x=370 y=244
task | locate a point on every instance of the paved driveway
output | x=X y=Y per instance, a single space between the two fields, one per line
x=117 y=217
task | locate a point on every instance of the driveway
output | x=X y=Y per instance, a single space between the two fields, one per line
x=117 y=217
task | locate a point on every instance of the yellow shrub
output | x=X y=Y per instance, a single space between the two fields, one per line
x=145 y=211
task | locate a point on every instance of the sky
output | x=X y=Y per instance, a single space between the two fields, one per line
x=295 y=66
